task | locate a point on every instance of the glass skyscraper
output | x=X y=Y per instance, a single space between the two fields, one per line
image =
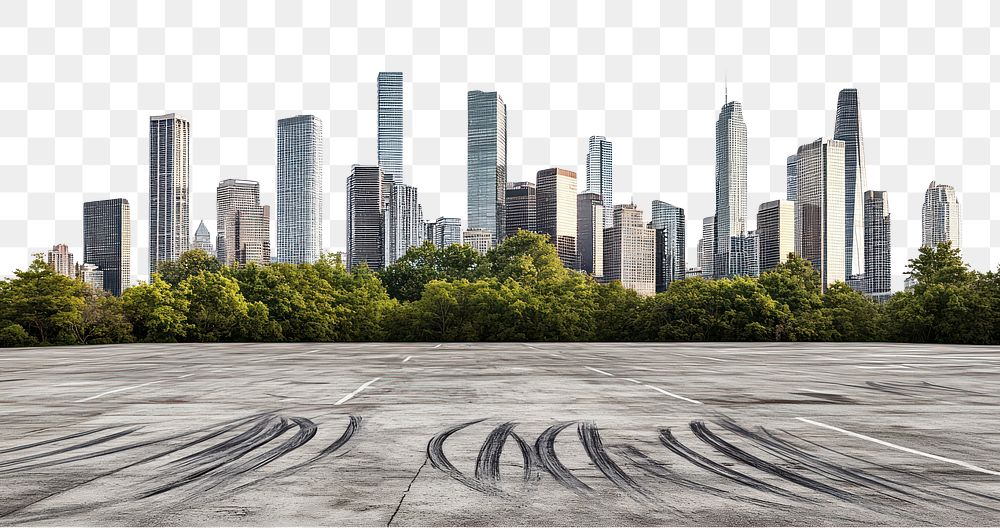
x=169 y=188
x=520 y=202
x=878 y=246
x=487 y=163
x=390 y=125
x=941 y=216
x=600 y=176
x=590 y=233
x=730 y=189
x=775 y=233
x=820 y=208
x=300 y=189
x=364 y=217
x=555 y=196
x=848 y=130
x=107 y=242
x=671 y=246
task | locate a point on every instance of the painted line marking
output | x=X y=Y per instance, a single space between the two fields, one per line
x=118 y=390
x=185 y=376
x=901 y=448
x=599 y=371
x=356 y=391
x=672 y=395
x=407 y=359
x=637 y=382
x=437 y=345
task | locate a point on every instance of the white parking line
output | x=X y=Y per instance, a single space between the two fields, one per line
x=599 y=371
x=356 y=391
x=118 y=390
x=407 y=359
x=966 y=465
x=637 y=382
x=437 y=345
x=672 y=395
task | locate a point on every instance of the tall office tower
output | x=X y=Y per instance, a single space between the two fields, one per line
x=600 y=174
x=878 y=246
x=91 y=275
x=480 y=239
x=590 y=233
x=429 y=228
x=556 y=214
x=447 y=231
x=203 y=239
x=390 y=125
x=487 y=170
x=61 y=260
x=107 y=242
x=300 y=189
x=365 y=217
x=671 y=244
x=243 y=225
x=751 y=249
x=629 y=251
x=521 y=207
x=848 y=130
x=820 y=207
x=169 y=188
x=707 y=253
x=791 y=177
x=775 y=233
x=730 y=188
x=942 y=216
x=403 y=221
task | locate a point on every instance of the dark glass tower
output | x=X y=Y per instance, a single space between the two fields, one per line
x=848 y=130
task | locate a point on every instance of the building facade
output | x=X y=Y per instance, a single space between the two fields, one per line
x=365 y=217
x=107 y=242
x=300 y=189
x=820 y=208
x=487 y=163
x=671 y=244
x=878 y=246
x=403 y=220
x=169 y=188
x=61 y=260
x=848 y=129
x=520 y=201
x=91 y=276
x=775 y=233
x=941 y=216
x=600 y=173
x=556 y=211
x=629 y=251
x=479 y=239
x=590 y=233
x=447 y=231
x=706 y=248
x=243 y=225
x=730 y=188
x=390 y=125
x=203 y=239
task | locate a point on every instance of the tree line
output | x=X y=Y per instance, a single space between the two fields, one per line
x=518 y=291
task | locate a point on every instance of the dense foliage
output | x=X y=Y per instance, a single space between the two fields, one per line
x=518 y=291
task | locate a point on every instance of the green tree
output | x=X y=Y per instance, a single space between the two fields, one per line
x=796 y=285
x=527 y=258
x=45 y=304
x=854 y=317
x=156 y=311
x=13 y=335
x=618 y=314
x=405 y=278
x=102 y=320
x=189 y=264
x=216 y=310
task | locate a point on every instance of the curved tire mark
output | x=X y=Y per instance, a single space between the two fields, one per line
x=590 y=437
x=435 y=452
x=546 y=451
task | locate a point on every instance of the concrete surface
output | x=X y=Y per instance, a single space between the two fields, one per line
x=500 y=434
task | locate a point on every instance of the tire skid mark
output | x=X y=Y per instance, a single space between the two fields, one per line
x=225 y=447
x=531 y=464
x=55 y=440
x=590 y=437
x=488 y=461
x=83 y=445
x=669 y=441
x=724 y=447
x=546 y=452
x=435 y=452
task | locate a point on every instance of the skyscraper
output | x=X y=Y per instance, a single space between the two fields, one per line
x=169 y=191
x=791 y=178
x=479 y=239
x=848 y=130
x=629 y=251
x=730 y=188
x=521 y=207
x=107 y=242
x=447 y=231
x=600 y=174
x=390 y=125
x=590 y=233
x=300 y=189
x=61 y=260
x=878 y=246
x=820 y=207
x=487 y=163
x=243 y=225
x=365 y=217
x=403 y=220
x=556 y=215
x=707 y=251
x=775 y=233
x=203 y=239
x=941 y=216
x=671 y=245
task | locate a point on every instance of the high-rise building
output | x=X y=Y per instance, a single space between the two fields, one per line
x=203 y=239
x=820 y=207
x=521 y=207
x=403 y=220
x=791 y=177
x=775 y=233
x=590 y=233
x=706 y=250
x=169 y=188
x=600 y=173
x=365 y=217
x=878 y=246
x=671 y=244
x=730 y=188
x=390 y=125
x=848 y=129
x=751 y=251
x=629 y=251
x=91 y=275
x=487 y=163
x=61 y=260
x=556 y=211
x=243 y=225
x=447 y=231
x=941 y=216
x=107 y=242
x=300 y=189
x=480 y=239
